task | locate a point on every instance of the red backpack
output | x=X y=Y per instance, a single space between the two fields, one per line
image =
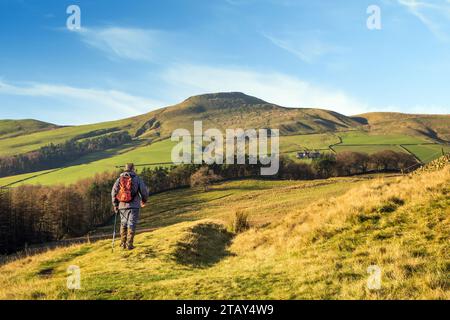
x=125 y=186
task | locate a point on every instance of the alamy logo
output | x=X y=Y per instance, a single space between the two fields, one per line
x=74 y=278
x=238 y=143
x=73 y=22
x=374 y=280
x=374 y=20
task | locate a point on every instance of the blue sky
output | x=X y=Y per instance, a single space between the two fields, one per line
x=135 y=56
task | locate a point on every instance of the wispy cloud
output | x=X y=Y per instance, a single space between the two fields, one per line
x=306 y=48
x=124 y=43
x=111 y=100
x=435 y=16
x=277 y=88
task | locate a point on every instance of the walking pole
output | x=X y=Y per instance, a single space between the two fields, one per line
x=114 y=231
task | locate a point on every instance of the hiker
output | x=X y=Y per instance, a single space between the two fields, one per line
x=129 y=194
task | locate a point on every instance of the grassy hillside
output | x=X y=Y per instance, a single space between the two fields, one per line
x=13 y=128
x=427 y=152
x=237 y=110
x=33 y=141
x=433 y=126
x=90 y=165
x=308 y=240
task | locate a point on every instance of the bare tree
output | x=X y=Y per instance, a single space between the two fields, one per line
x=204 y=177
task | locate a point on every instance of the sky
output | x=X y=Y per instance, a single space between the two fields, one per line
x=131 y=57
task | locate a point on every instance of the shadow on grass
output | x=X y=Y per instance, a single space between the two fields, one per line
x=104 y=154
x=203 y=245
x=47 y=268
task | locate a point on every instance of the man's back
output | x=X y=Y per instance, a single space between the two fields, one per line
x=129 y=211
x=139 y=192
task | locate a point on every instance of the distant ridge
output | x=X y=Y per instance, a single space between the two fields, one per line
x=436 y=127
x=13 y=128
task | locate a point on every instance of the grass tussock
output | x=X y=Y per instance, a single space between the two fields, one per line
x=240 y=222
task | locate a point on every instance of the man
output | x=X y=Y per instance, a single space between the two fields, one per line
x=129 y=193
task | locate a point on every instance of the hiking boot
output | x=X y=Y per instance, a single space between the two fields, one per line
x=130 y=239
x=123 y=237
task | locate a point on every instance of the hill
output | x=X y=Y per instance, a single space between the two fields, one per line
x=301 y=128
x=237 y=110
x=308 y=240
x=221 y=110
x=13 y=128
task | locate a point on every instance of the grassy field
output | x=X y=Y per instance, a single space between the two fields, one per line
x=308 y=240
x=88 y=166
x=427 y=152
x=312 y=141
x=360 y=137
x=367 y=148
x=190 y=204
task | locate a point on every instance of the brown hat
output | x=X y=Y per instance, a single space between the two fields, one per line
x=129 y=167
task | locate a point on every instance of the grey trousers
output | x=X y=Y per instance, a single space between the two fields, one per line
x=129 y=218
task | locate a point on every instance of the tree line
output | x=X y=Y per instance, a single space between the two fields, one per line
x=37 y=214
x=55 y=155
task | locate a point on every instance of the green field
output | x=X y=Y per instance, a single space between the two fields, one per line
x=308 y=240
x=367 y=148
x=154 y=153
x=428 y=152
x=307 y=141
x=359 y=137
x=21 y=178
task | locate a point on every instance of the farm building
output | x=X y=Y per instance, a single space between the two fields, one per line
x=308 y=154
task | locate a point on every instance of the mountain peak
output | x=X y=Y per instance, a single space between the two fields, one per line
x=226 y=96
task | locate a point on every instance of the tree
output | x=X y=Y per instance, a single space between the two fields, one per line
x=204 y=177
x=406 y=161
x=290 y=169
x=349 y=162
x=325 y=165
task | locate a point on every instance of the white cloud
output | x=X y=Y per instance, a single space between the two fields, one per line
x=434 y=16
x=112 y=100
x=307 y=49
x=277 y=88
x=123 y=43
